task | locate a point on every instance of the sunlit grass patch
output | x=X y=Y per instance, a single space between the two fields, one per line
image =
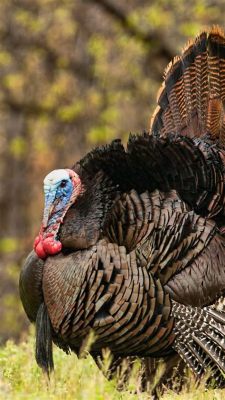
x=75 y=379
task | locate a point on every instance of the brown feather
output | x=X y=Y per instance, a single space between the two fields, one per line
x=191 y=100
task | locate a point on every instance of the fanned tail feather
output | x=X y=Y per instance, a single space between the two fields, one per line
x=200 y=340
x=190 y=101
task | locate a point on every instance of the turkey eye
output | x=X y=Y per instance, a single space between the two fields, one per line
x=63 y=184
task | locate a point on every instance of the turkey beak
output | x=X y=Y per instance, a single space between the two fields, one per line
x=49 y=206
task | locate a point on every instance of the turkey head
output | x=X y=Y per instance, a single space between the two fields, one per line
x=61 y=189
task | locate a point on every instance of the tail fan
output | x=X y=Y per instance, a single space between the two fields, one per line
x=190 y=101
x=200 y=340
x=44 y=355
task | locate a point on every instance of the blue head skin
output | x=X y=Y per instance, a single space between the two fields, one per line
x=61 y=188
x=58 y=189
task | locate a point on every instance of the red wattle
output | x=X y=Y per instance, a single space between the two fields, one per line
x=52 y=246
x=38 y=247
x=46 y=246
x=37 y=240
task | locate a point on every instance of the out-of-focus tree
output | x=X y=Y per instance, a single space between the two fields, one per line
x=73 y=74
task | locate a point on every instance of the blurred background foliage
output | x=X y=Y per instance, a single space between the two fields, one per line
x=74 y=74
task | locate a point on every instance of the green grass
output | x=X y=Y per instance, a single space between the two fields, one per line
x=74 y=379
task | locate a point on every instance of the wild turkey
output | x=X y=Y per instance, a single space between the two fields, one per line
x=141 y=247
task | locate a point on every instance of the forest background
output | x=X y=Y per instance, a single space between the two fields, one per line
x=74 y=74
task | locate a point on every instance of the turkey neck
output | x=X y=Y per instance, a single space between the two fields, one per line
x=84 y=222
